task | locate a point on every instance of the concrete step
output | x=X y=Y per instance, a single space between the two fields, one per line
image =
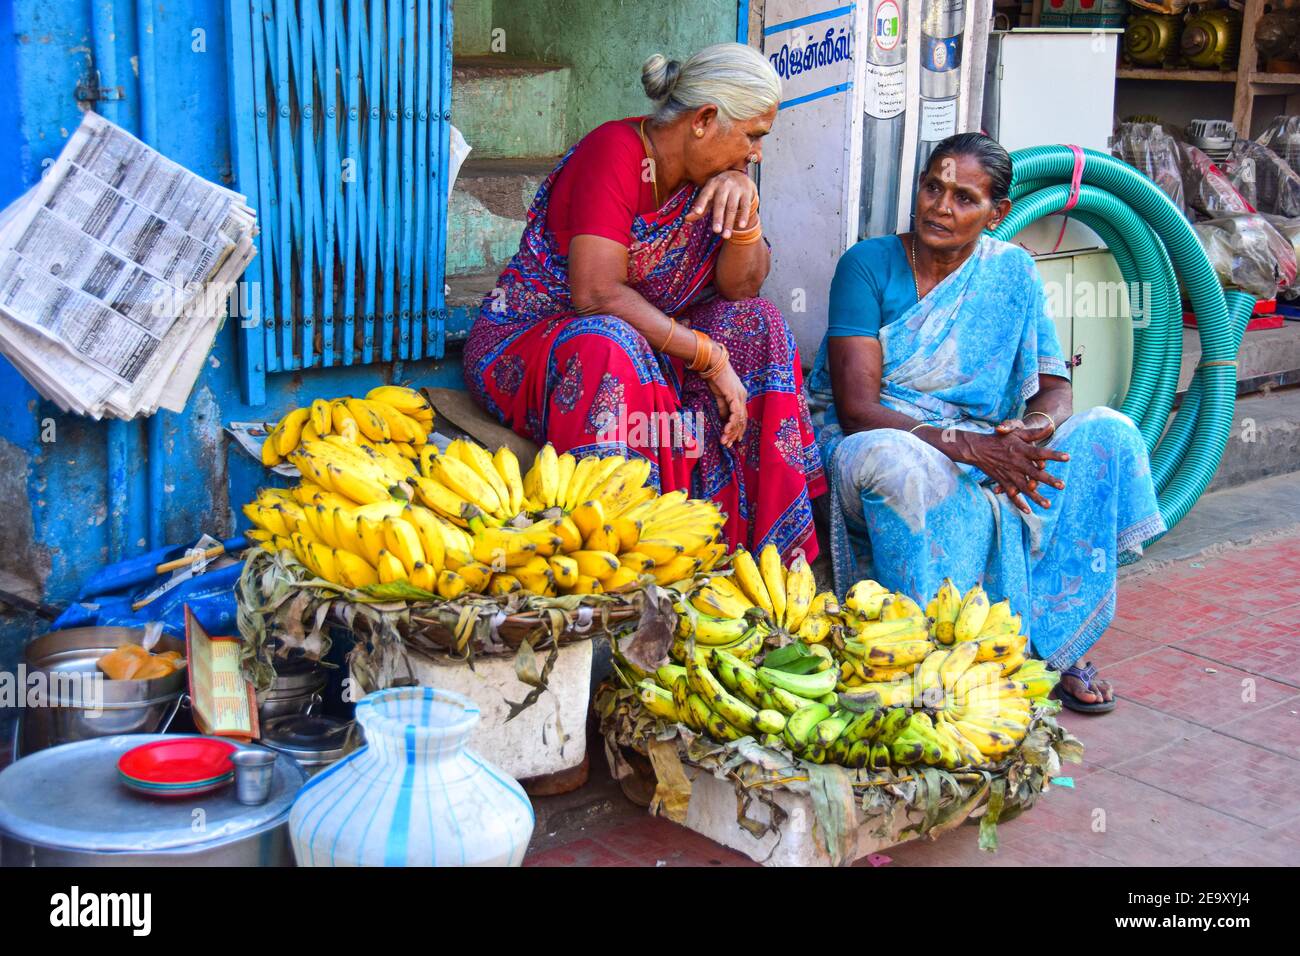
x=488 y=209
x=1268 y=357
x=509 y=107
x=1265 y=440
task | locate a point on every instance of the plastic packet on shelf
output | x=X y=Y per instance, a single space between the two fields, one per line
x=1248 y=253
x=1151 y=149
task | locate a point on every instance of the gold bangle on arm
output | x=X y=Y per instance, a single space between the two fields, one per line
x=1050 y=421
x=672 y=330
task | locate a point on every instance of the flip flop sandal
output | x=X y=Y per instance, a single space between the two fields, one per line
x=1085 y=674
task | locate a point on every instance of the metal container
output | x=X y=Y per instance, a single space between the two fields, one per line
x=1211 y=39
x=1151 y=38
x=65 y=806
x=69 y=714
x=297 y=690
x=313 y=741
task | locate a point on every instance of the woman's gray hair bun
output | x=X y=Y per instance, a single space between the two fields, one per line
x=735 y=78
x=659 y=76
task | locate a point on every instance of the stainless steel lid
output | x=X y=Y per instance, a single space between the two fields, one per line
x=70 y=796
x=300 y=677
x=310 y=739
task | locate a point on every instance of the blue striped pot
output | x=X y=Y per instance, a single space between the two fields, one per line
x=415 y=795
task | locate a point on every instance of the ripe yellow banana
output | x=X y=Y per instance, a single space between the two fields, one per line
x=507 y=466
x=769 y=566
x=403 y=543
x=944 y=610
x=408 y=401
x=866 y=599
x=974 y=610
x=800 y=589
x=290 y=430
x=749 y=579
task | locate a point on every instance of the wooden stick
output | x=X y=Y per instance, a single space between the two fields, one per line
x=167 y=566
x=190 y=559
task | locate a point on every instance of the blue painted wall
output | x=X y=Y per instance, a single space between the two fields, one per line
x=55 y=493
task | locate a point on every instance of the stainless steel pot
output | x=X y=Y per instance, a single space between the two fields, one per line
x=65 y=806
x=297 y=690
x=68 y=714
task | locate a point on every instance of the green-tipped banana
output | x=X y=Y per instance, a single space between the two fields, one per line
x=681 y=693
x=864 y=726
x=859 y=753
x=828 y=731
x=770 y=721
x=799 y=726
x=810 y=686
x=732 y=709
x=667 y=675
x=892 y=724
x=658 y=701
x=746 y=678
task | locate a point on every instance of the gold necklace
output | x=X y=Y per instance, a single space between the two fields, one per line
x=915 y=284
x=654 y=178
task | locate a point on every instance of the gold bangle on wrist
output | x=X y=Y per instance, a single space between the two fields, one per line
x=718 y=362
x=703 y=352
x=1049 y=418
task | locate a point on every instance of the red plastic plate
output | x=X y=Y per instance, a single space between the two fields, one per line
x=187 y=760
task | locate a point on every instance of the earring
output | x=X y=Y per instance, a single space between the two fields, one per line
x=698 y=132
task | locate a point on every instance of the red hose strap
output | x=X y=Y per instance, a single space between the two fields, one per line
x=1076 y=180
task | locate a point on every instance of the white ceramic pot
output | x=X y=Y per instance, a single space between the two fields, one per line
x=415 y=795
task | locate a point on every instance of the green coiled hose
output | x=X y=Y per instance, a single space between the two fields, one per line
x=1155 y=248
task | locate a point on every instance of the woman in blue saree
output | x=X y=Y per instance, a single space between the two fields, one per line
x=943 y=412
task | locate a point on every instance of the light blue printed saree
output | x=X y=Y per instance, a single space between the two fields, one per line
x=967 y=356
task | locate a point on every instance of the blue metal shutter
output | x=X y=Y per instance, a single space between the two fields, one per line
x=340 y=113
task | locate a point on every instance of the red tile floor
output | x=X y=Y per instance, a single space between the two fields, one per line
x=1198 y=765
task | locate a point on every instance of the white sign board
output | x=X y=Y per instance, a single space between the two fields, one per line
x=810 y=170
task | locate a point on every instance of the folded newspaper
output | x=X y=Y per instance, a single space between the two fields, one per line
x=115 y=270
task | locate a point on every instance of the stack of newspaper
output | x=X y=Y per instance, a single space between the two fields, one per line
x=114 y=275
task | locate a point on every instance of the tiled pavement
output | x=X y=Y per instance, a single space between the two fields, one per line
x=1198 y=765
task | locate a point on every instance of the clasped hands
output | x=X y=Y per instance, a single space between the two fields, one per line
x=1012 y=457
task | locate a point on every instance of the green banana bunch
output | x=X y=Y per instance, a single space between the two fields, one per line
x=799 y=726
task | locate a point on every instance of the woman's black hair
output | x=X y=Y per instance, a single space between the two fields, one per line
x=993 y=159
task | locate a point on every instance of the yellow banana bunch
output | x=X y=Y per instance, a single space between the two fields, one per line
x=391 y=420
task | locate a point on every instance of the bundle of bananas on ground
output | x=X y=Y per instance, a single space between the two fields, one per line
x=974 y=712
x=763 y=593
x=611 y=527
x=958 y=619
x=363 y=544
x=476 y=502
x=391 y=419
x=719 y=693
x=903 y=698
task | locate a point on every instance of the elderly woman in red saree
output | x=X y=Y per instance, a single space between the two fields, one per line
x=629 y=320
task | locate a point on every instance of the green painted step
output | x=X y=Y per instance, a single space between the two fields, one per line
x=508 y=107
x=488 y=209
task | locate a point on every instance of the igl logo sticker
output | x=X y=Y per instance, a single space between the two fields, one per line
x=888 y=25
